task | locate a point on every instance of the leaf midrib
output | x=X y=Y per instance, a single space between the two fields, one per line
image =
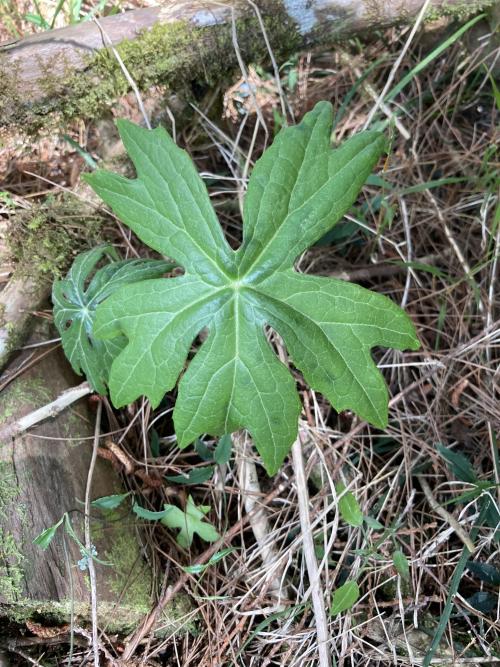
x=297 y=210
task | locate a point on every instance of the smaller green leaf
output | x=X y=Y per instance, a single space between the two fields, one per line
x=485 y=571
x=341 y=232
x=476 y=492
x=68 y=527
x=379 y=182
x=401 y=564
x=75 y=301
x=81 y=151
x=483 y=601
x=195 y=476
x=199 y=569
x=222 y=452
x=349 y=507
x=219 y=555
x=492 y=517
x=373 y=523
x=155 y=443
x=143 y=513
x=45 y=538
x=110 y=502
x=195 y=569
x=459 y=465
x=344 y=598
x=37 y=20
x=204 y=452
x=190 y=522
x=363 y=552
x=420 y=266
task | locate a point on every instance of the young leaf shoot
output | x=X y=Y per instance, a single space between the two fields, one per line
x=75 y=304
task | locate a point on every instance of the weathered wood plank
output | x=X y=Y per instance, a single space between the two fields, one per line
x=43 y=474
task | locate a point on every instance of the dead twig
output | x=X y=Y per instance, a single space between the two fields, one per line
x=251 y=494
x=52 y=409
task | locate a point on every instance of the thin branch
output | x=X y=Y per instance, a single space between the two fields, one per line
x=241 y=64
x=273 y=59
x=106 y=39
x=113 y=662
x=398 y=62
x=370 y=90
x=385 y=270
x=52 y=409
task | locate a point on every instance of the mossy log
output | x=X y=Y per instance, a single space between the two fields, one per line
x=43 y=474
x=70 y=72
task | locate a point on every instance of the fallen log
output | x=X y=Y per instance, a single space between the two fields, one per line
x=43 y=475
x=70 y=72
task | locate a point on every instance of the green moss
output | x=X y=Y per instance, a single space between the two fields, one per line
x=179 y=615
x=8 y=486
x=11 y=568
x=119 y=619
x=11 y=557
x=173 y=55
x=129 y=577
x=460 y=11
x=43 y=240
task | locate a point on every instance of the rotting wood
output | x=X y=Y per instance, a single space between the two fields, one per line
x=18 y=300
x=69 y=73
x=43 y=475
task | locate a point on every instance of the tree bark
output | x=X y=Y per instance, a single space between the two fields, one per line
x=43 y=474
x=18 y=300
x=69 y=72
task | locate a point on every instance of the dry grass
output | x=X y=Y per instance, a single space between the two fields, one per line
x=446 y=393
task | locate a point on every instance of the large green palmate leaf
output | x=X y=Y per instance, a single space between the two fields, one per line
x=297 y=191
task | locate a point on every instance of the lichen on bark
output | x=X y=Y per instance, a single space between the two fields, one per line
x=11 y=556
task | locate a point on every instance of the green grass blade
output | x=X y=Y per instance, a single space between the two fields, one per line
x=432 y=56
x=57 y=11
x=454 y=584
